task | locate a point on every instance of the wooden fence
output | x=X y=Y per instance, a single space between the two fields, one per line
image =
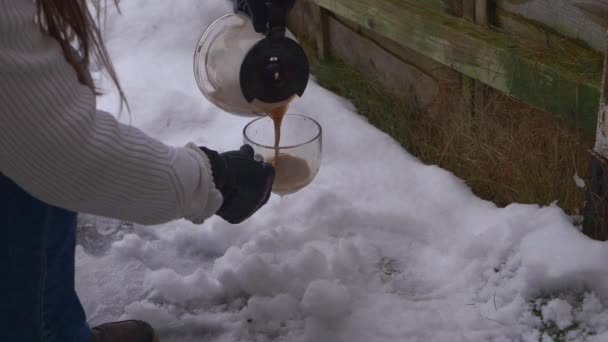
x=545 y=53
x=541 y=52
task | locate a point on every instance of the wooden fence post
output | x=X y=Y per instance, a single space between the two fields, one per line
x=596 y=209
x=467 y=84
x=479 y=93
x=468 y=10
x=473 y=91
x=481 y=12
x=321 y=21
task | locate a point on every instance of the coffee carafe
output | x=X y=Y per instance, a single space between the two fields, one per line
x=248 y=63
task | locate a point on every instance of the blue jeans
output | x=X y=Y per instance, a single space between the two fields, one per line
x=38 y=301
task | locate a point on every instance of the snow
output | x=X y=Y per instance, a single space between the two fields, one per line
x=558 y=311
x=547 y=338
x=579 y=181
x=326 y=300
x=380 y=247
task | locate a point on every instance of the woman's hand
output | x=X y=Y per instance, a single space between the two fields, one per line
x=245 y=183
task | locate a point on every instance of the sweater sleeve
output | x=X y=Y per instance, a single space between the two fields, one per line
x=60 y=149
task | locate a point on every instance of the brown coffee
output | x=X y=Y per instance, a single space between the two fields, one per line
x=277 y=115
x=292 y=173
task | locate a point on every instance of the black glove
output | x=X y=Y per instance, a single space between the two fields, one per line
x=245 y=183
x=265 y=14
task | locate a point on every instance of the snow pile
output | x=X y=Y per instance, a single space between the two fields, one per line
x=378 y=248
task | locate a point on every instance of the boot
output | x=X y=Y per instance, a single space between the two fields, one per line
x=126 y=331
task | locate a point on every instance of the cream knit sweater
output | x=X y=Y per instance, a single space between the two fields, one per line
x=56 y=146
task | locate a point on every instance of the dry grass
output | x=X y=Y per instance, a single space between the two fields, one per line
x=507 y=152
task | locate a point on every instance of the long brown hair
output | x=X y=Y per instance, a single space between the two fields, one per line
x=69 y=22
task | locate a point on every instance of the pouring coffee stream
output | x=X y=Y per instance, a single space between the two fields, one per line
x=277 y=116
x=247 y=63
x=292 y=172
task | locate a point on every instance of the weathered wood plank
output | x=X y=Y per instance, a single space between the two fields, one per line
x=481 y=12
x=516 y=25
x=380 y=66
x=560 y=15
x=437 y=5
x=481 y=18
x=552 y=79
x=596 y=210
x=472 y=95
x=438 y=71
x=601 y=142
x=468 y=10
x=596 y=10
x=301 y=20
x=322 y=32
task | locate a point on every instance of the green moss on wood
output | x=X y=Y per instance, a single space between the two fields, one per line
x=560 y=78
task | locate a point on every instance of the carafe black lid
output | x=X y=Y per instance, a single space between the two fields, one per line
x=274 y=70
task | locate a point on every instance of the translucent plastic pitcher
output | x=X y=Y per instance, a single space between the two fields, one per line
x=247 y=73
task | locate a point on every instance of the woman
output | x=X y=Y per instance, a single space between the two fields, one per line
x=59 y=156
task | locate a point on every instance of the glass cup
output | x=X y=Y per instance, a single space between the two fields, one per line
x=298 y=157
